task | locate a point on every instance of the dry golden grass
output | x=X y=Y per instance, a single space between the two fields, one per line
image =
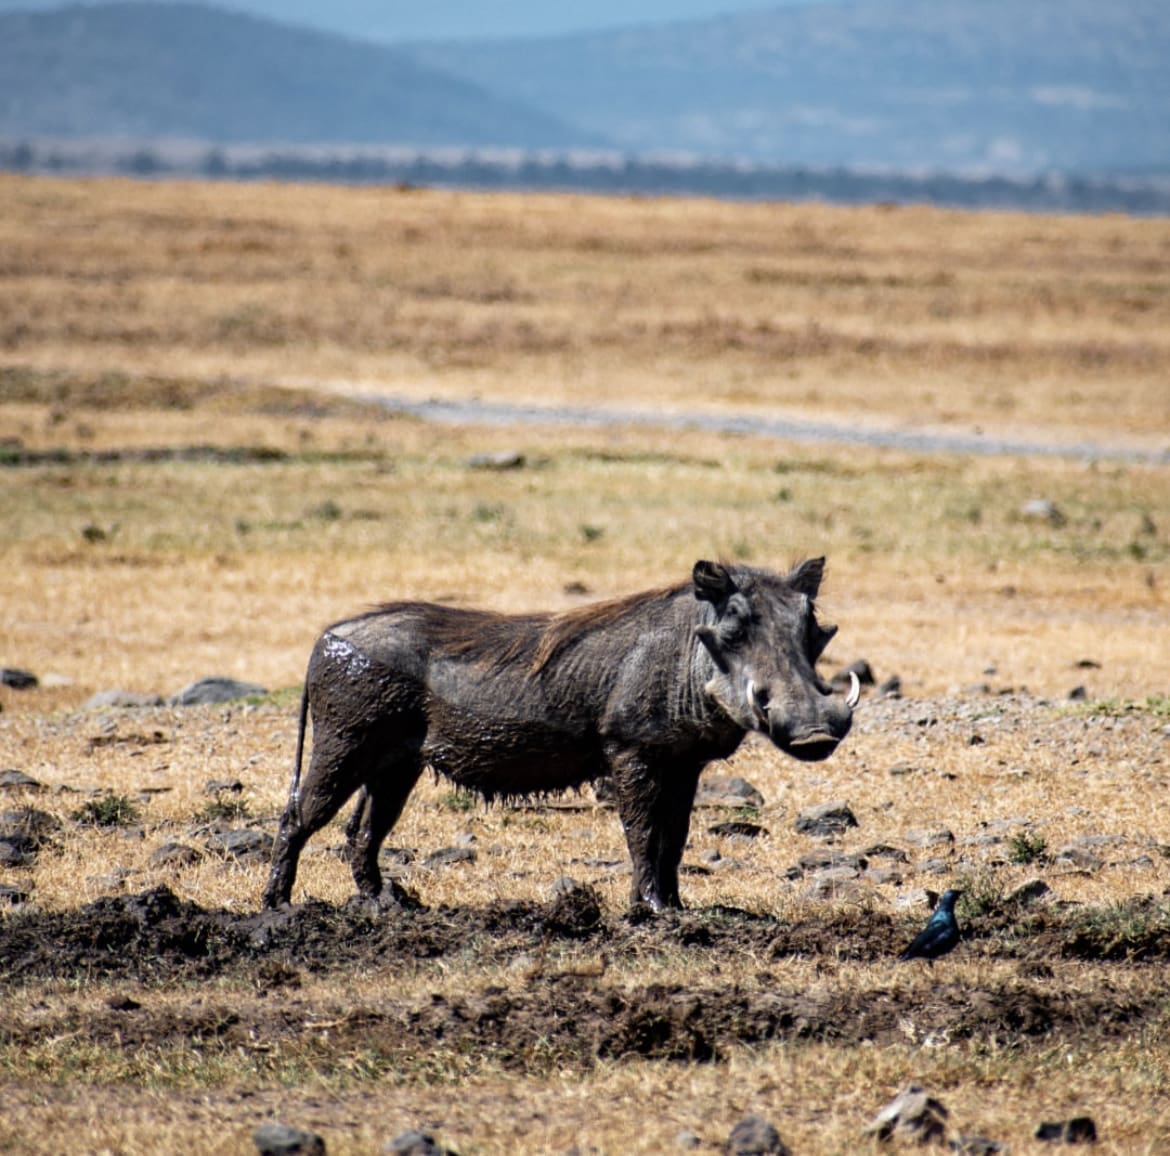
x=136 y=315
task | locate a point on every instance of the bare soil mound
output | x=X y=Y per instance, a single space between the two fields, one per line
x=154 y=941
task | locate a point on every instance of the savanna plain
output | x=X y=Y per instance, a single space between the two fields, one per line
x=197 y=473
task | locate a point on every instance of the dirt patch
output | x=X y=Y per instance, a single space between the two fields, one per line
x=571 y=1015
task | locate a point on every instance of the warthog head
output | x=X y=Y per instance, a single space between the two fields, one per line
x=764 y=639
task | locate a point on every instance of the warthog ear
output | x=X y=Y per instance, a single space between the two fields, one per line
x=712 y=582
x=806 y=578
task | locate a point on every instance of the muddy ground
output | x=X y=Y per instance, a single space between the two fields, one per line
x=153 y=942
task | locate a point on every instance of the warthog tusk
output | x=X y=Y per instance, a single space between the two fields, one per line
x=854 y=696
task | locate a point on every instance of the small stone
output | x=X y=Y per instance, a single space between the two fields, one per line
x=753 y=1136
x=861 y=668
x=976 y=1146
x=1077 y=857
x=17 y=679
x=14 y=780
x=737 y=828
x=911 y=1115
x=281 y=1140
x=241 y=844
x=832 y=883
x=445 y=856
x=935 y=838
x=1043 y=510
x=827 y=819
x=915 y=898
x=884 y=875
x=575 y=912
x=1030 y=892
x=727 y=791
x=891 y=688
x=27 y=827
x=1078 y=1130
x=214 y=690
x=14 y=855
x=1078 y=694
x=121 y=700
x=501 y=460
x=14 y=894
x=415 y=1143
x=223 y=787
x=822 y=859
x=933 y=867
x=886 y=851
x=174 y=855
x=688 y=1139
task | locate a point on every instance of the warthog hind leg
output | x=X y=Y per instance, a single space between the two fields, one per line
x=378 y=807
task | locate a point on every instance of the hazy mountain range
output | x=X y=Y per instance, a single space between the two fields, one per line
x=959 y=85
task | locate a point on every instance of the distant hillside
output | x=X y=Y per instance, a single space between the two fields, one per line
x=1011 y=86
x=186 y=70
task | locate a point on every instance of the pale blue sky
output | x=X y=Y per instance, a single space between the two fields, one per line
x=391 y=20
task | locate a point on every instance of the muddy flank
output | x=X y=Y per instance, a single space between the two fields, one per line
x=558 y=1010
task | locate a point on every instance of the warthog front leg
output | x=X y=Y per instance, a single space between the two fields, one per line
x=655 y=810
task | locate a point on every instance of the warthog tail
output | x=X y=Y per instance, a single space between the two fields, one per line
x=294 y=798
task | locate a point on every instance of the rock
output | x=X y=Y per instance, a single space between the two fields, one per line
x=121 y=700
x=241 y=844
x=1078 y=694
x=281 y=1140
x=861 y=668
x=445 y=856
x=753 y=1136
x=915 y=898
x=17 y=679
x=174 y=855
x=1030 y=892
x=827 y=819
x=416 y=1143
x=891 y=688
x=688 y=1139
x=727 y=791
x=214 y=690
x=574 y=911
x=932 y=867
x=1043 y=510
x=28 y=827
x=911 y=1115
x=501 y=460
x=832 y=883
x=15 y=855
x=13 y=894
x=1076 y=857
x=14 y=780
x=1078 y=1130
x=883 y=875
x=924 y=839
x=822 y=859
x=976 y=1146
x=737 y=828
x=223 y=787
x=886 y=851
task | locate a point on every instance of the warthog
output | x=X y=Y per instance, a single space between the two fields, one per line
x=646 y=689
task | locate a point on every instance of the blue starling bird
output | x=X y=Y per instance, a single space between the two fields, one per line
x=940 y=934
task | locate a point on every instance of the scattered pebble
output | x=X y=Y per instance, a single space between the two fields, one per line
x=827 y=819
x=911 y=1115
x=754 y=1136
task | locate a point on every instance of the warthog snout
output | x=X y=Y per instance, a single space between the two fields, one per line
x=811 y=734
